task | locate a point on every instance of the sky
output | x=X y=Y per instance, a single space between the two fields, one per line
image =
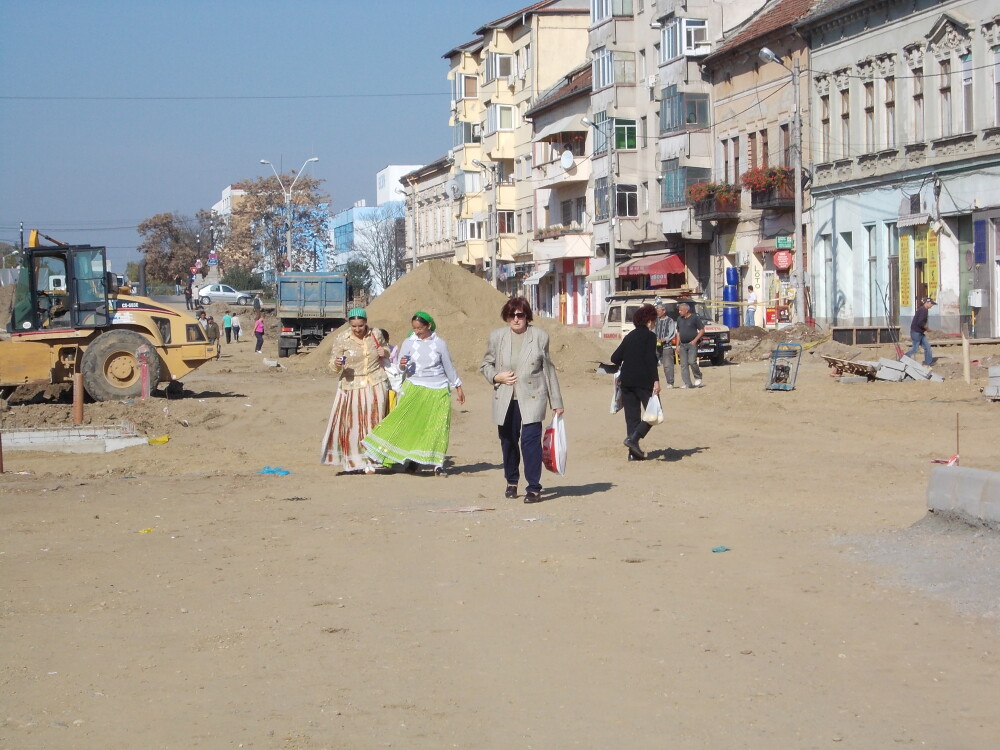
x=114 y=111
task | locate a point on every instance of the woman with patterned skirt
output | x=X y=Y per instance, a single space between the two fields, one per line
x=417 y=431
x=362 y=395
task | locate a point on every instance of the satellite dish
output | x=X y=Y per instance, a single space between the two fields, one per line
x=455 y=188
x=566 y=160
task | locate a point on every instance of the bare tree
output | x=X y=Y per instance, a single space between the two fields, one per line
x=380 y=243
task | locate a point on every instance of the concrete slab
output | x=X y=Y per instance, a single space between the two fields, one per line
x=970 y=494
x=103 y=439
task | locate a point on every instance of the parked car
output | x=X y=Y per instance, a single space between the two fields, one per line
x=223 y=293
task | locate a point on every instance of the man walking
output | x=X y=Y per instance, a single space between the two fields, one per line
x=751 y=314
x=918 y=331
x=666 y=335
x=690 y=330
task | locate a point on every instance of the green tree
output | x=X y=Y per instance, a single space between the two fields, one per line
x=10 y=255
x=359 y=278
x=172 y=243
x=242 y=279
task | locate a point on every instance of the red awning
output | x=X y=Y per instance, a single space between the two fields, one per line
x=654 y=266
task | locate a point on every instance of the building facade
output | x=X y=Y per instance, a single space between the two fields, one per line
x=430 y=227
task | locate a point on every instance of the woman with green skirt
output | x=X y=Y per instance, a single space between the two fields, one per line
x=416 y=432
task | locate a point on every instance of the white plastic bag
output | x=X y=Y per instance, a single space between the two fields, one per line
x=616 y=396
x=554 y=446
x=653 y=413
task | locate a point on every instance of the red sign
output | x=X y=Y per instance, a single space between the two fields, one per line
x=782 y=260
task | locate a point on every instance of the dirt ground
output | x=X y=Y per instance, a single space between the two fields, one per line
x=172 y=596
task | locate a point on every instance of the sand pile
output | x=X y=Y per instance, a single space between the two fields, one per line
x=466 y=309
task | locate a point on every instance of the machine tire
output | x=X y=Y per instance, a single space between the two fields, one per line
x=718 y=359
x=111 y=370
x=243 y=301
x=204 y=300
x=283 y=352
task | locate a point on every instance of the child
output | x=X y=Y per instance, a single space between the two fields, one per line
x=392 y=370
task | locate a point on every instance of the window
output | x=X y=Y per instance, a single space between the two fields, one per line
x=499 y=117
x=918 y=105
x=765 y=154
x=498 y=66
x=735 y=145
x=824 y=128
x=873 y=286
x=600 y=132
x=505 y=222
x=624 y=134
x=604 y=74
x=581 y=210
x=601 y=203
x=466 y=132
x=724 y=147
x=869 y=116
x=944 y=100
x=643 y=140
x=602 y=9
x=752 y=149
x=680 y=110
x=529 y=220
x=469 y=229
x=845 y=127
x=967 y=123
x=566 y=211
x=466 y=87
x=683 y=36
x=626 y=200
x=890 y=112
x=676 y=180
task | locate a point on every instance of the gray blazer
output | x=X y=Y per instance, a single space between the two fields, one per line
x=537 y=384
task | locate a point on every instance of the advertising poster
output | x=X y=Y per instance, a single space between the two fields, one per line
x=932 y=265
x=905 y=264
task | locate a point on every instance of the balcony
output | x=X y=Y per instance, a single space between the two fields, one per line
x=720 y=206
x=553 y=174
x=775 y=196
x=559 y=241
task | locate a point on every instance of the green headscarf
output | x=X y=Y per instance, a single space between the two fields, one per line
x=427 y=319
x=357 y=312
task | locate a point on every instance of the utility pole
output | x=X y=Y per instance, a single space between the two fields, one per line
x=288 y=205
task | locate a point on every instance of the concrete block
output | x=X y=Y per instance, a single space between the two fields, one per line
x=891 y=364
x=889 y=374
x=970 y=494
x=992 y=391
x=994 y=371
x=935 y=378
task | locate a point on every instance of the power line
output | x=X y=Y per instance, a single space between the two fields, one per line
x=215 y=98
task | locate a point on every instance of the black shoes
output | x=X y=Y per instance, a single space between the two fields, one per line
x=632 y=443
x=532 y=497
x=511 y=492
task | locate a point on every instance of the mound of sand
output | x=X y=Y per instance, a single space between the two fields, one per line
x=465 y=308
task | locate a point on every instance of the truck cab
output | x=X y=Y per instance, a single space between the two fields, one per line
x=622 y=306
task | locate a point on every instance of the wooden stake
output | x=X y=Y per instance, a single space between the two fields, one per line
x=77 y=398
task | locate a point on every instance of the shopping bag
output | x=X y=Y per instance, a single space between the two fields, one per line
x=616 y=397
x=653 y=413
x=554 y=446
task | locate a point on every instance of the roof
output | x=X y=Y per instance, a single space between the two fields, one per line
x=472 y=46
x=780 y=14
x=556 y=6
x=577 y=81
x=440 y=164
x=825 y=8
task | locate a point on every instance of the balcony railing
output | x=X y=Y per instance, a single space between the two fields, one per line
x=717 y=207
x=775 y=196
x=558 y=230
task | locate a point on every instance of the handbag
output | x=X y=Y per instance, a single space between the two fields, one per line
x=554 y=446
x=653 y=413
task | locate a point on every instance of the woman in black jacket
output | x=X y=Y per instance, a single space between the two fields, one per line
x=639 y=376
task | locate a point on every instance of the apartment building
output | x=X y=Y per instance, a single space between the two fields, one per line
x=907 y=160
x=430 y=225
x=750 y=198
x=495 y=79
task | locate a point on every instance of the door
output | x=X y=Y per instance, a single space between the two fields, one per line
x=88 y=287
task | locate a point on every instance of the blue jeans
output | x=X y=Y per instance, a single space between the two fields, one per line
x=750 y=317
x=529 y=435
x=920 y=340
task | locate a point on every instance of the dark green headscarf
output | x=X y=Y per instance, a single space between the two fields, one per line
x=426 y=318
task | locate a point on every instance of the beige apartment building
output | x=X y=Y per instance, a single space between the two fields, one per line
x=495 y=80
x=430 y=225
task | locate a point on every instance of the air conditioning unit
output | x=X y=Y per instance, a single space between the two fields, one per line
x=700 y=49
x=651 y=81
x=454 y=105
x=512 y=80
x=523 y=75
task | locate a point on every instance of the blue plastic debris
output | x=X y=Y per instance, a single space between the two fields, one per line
x=721 y=548
x=276 y=470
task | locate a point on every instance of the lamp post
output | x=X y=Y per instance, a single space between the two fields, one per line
x=288 y=205
x=612 y=197
x=798 y=276
x=492 y=169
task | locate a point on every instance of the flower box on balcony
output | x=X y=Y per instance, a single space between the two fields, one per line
x=775 y=196
x=714 y=199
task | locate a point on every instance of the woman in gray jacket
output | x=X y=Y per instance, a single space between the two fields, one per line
x=524 y=381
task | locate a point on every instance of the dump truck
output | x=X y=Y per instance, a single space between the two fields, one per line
x=310 y=305
x=70 y=315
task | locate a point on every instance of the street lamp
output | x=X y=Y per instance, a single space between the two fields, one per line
x=612 y=198
x=492 y=169
x=288 y=205
x=798 y=277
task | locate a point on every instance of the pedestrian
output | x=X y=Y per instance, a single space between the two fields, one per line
x=524 y=380
x=188 y=297
x=177 y=284
x=236 y=328
x=362 y=398
x=227 y=326
x=212 y=331
x=202 y=319
x=638 y=377
x=416 y=433
x=690 y=330
x=258 y=331
x=918 y=331
x=750 y=317
x=666 y=341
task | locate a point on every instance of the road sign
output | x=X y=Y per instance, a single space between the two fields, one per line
x=784 y=242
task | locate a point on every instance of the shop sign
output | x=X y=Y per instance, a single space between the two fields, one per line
x=784 y=242
x=782 y=260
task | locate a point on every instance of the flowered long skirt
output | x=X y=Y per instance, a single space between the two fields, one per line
x=352 y=417
x=417 y=430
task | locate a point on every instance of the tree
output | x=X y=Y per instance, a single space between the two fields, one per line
x=242 y=278
x=10 y=255
x=172 y=243
x=256 y=234
x=359 y=278
x=380 y=244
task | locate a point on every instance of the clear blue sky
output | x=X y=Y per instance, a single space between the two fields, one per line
x=96 y=152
